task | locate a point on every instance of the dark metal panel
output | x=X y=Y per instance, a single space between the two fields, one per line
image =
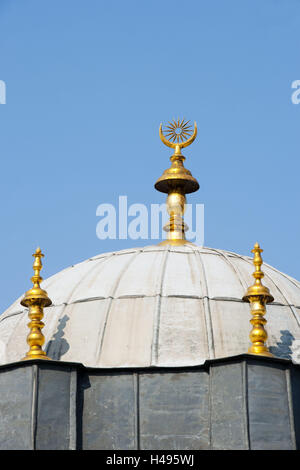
x=174 y=410
x=16 y=409
x=228 y=407
x=53 y=407
x=109 y=417
x=269 y=423
x=295 y=392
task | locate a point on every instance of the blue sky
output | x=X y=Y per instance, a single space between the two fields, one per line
x=88 y=83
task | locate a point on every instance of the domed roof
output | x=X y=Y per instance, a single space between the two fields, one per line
x=156 y=306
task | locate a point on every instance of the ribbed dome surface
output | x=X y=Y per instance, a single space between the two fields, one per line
x=156 y=306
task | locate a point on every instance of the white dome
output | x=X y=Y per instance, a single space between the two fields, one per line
x=156 y=306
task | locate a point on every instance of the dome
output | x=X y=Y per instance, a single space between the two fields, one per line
x=156 y=306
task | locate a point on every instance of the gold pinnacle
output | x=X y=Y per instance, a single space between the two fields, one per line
x=36 y=299
x=258 y=296
x=177 y=181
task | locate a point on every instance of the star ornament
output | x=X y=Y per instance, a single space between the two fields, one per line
x=177 y=131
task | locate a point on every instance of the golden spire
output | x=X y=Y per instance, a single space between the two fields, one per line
x=177 y=181
x=258 y=295
x=36 y=299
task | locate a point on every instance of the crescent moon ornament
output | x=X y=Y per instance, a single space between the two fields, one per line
x=179 y=134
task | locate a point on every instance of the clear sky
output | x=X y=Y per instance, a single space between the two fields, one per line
x=87 y=85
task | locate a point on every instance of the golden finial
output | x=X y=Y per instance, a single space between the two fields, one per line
x=36 y=299
x=258 y=296
x=177 y=181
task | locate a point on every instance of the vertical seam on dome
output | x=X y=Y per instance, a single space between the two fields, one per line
x=101 y=340
x=65 y=304
x=156 y=322
x=233 y=267
x=194 y=269
x=207 y=310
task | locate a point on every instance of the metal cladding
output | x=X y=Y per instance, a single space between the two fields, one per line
x=156 y=306
x=243 y=402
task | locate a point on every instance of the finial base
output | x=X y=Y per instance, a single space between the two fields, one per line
x=259 y=351
x=37 y=356
x=176 y=242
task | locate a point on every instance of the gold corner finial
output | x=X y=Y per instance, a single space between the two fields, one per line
x=177 y=181
x=36 y=299
x=258 y=296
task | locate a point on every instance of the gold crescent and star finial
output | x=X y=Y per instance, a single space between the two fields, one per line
x=177 y=181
